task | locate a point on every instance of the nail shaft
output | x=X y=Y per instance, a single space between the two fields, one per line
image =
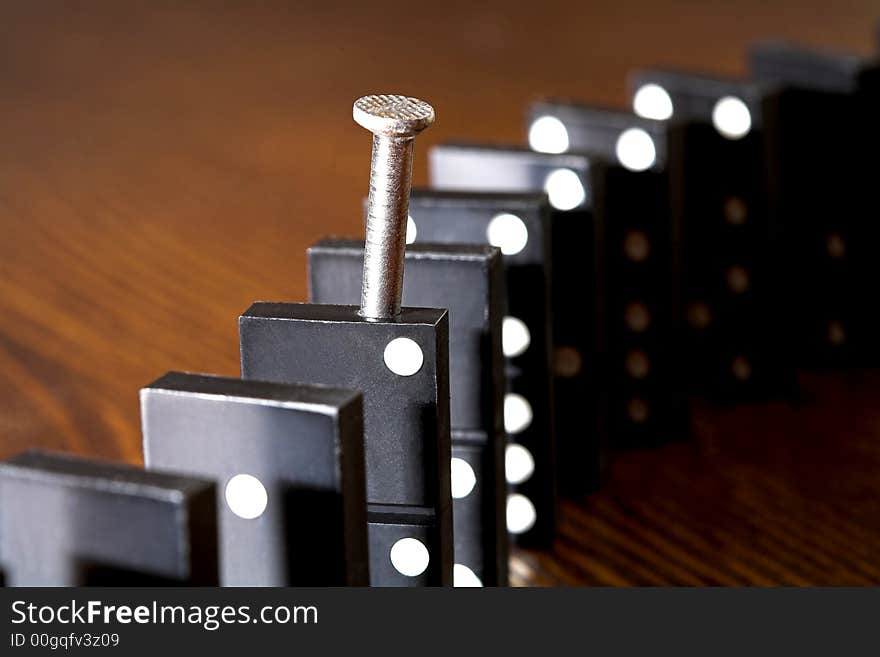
x=387 y=210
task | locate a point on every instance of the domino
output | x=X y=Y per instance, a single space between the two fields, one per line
x=642 y=395
x=67 y=521
x=289 y=464
x=821 y=140
x=401 y=366
x=467 y=281
x=641 y=398
x=565 y=179
x=730 y=252
x=519 y=225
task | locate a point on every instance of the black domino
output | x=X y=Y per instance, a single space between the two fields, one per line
x=467 y=281
x=406 y=417
x=565 y=181
x=68 y=521
x=730 y=251
x=822 y=138
x=289 y=464
x=637 y=272
x=520 y=225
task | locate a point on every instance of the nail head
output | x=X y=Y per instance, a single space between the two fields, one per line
x=392 y=115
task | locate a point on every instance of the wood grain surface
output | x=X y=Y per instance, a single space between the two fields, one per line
x=164 y=164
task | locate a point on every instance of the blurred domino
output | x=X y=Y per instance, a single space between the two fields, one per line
x=637 y=270
x=68 y=521
x=821 y=143
x=730 y=251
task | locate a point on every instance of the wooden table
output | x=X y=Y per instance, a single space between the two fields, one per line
x=164 y=164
